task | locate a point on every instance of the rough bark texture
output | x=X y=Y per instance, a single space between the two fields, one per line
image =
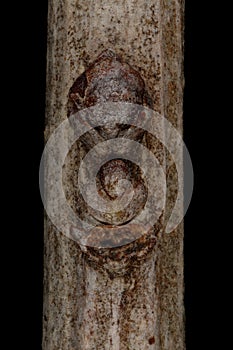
x=134 y=304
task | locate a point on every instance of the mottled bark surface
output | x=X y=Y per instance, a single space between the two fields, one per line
x=128 y=301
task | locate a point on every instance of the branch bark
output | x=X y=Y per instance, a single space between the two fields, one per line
x=89 y=304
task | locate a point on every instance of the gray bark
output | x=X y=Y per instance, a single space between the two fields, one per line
x=91 y=302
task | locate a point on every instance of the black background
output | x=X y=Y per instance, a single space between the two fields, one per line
x=26 y=92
